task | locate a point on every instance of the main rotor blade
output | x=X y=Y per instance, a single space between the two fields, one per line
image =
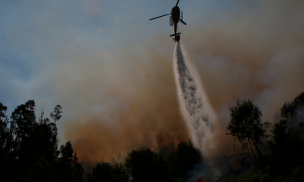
x=182 y=22
x=177 y=3
x=160 y=16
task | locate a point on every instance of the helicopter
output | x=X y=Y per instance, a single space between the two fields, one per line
x=176 y=16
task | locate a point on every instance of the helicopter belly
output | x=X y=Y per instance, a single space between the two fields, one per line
x=175 y=13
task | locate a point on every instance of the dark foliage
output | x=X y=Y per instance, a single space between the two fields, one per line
x=29 y=152
x=245 y=124
x=183 y=160
x=29 y=149
x=108 y=173
x=146 y=165
x=284 y=159
x=56 y=114
x=290 y=109
x=287 y=145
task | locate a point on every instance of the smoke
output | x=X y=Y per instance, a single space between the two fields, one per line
x=117 y=87
x=256 y=55
x=139 y=110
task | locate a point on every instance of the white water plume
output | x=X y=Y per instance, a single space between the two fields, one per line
x=194 y=104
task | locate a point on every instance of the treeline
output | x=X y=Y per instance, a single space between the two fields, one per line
x=275 y=151
x=149 y=166
x=29 y=148
x=29 y=152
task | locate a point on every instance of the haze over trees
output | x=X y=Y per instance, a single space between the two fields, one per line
x=144 y=164
x=282 y=156
x=29 y=150
x=245 y=124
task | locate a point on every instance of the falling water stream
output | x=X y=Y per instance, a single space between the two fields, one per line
x=193 y=101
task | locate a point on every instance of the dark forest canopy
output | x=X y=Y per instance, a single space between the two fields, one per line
x=29 y=150
x=281 y=156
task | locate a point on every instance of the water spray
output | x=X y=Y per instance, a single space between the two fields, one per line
x=193 y=101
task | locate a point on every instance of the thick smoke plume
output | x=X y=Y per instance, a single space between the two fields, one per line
x=145 y=116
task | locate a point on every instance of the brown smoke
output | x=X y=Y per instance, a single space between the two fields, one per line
x=132 y=101
x=140 y=110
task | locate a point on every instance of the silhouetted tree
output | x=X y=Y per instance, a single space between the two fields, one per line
x=285 y=158
x=245 y=124
x=108 y=173
x=5 y=135
x=56 y=114
x=22 y=123
x=42 y=119
x=287 y=144
x=5 y=138
x=185 y=157
x=102 y=172
x=118 y=173
x=4 y=131
x=290 y=109
x=42 y=170
x=43 y=142
x=69 y=167
x=146 y=165
x=29 y=149
x=293 y=114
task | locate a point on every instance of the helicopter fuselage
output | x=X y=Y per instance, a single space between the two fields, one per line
x=175 y=14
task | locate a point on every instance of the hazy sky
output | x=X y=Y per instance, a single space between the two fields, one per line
x=111 y=69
